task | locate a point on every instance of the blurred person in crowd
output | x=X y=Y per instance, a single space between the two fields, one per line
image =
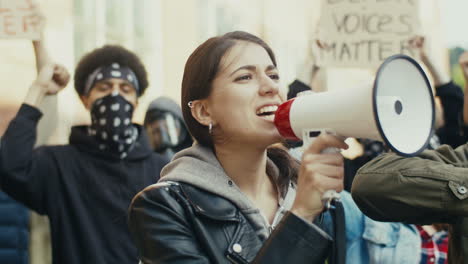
x=166 y=128
x=230 y=197
x=14 y=231
x=434 y=243
x=450 y=126
x=84 y=187
x=375 y=242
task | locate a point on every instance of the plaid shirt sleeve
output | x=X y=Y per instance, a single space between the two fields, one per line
x=433 y=248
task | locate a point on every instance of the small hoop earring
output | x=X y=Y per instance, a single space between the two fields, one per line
x=190 y=104
x=210 y=128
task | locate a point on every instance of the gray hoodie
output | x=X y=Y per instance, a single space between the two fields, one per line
x=199 y=167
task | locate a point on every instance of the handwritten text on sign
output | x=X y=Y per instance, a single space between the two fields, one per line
x=19 y=19
x=362 y=33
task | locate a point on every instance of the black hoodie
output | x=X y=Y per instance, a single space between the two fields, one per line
x=84 y=191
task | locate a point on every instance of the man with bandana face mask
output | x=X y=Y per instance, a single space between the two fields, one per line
x=166 y=128
x=85 y=187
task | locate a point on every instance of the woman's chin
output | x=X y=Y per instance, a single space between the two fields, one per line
x=273 y=138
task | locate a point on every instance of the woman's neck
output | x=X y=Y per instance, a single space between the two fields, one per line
x=247 y=168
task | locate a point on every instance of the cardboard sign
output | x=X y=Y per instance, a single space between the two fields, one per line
x=19 y=19
x=363 y=33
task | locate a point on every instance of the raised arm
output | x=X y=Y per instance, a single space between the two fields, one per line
x=449 y=98
x=24 y=172
x=440 y=76
x=40 y=52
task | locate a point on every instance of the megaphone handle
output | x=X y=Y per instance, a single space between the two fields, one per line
x=330 y=195
x=308 y=137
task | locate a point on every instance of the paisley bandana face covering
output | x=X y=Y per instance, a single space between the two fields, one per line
x=111 y=124
x=111 y=115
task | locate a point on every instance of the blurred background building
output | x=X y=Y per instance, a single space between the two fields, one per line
x=165 y=32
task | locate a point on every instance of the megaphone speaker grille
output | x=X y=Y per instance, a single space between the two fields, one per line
x=403 y=105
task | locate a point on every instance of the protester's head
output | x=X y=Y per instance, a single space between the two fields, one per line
x=165 y=127
x=231 y=84
x=109 y=81
x=107 y=70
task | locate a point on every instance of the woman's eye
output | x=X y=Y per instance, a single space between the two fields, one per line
x=274 y=76
x=243 y=78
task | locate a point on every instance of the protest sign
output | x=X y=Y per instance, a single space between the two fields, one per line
x=20 y=19
x=362 y=33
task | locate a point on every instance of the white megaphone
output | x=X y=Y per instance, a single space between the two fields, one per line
x=397 y=108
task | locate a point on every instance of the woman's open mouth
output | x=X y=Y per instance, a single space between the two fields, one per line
x=267 y=112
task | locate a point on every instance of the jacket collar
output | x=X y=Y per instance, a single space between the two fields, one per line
x=207 y=204
x=214 y=207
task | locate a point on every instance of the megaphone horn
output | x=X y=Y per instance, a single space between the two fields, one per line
x=397 y=108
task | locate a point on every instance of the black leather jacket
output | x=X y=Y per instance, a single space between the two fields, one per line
x=179 y=223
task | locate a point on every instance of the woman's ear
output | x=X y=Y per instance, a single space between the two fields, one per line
x=200 y=111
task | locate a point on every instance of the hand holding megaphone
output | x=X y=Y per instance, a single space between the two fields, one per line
x=319 y=173
x=397 y=108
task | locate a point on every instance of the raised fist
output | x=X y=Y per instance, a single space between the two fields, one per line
x=52 y=78
x=418 y=43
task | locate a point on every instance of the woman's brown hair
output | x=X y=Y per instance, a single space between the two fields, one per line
x=201 y=69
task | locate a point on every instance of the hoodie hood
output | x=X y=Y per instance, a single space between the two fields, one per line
x=80 y=138
x=199 y=167
x=165 y=104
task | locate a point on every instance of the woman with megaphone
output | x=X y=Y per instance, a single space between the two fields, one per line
x=231 y=198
